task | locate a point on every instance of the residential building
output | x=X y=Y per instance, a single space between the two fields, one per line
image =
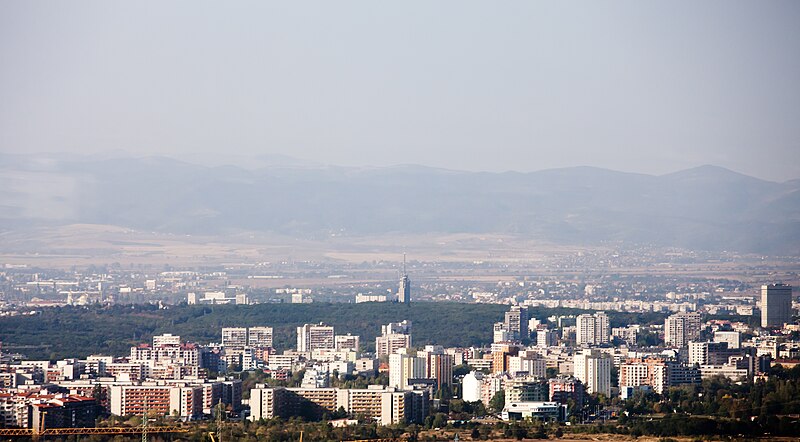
x=259 y=337
x=681 y=328
x=593 y=368
x=312 y=337
x=516 y=323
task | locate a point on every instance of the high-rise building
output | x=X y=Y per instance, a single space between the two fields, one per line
x=394 y=336
x=516 y=323
x=545 y=337
x=776 y=305
x=259 y=337
x=312 y=337
x=404 y=291
x=346 y=342
x=500 y=332
x=501 y=352
x=438 y=364
x=166 y=339
x=234 y=337
x=681 y=328
x=593 y=368
x=403 y=327
x=403 y=367
x=389 y=344
x=592 y=329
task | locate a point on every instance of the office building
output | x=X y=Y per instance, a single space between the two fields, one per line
x=776 y=305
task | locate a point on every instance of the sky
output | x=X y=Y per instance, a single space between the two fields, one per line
x=649 y=87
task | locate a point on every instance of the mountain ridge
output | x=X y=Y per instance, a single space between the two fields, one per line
x=707 y=207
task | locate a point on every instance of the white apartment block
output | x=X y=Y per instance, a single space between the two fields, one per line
x=391 y=343
x=403 y=367
x=593 y=368
x=234 y=337
x=315 y=336
x=346 y=342
x=259 y=337
x=592 y=329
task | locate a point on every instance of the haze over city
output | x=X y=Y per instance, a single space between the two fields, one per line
x=422 y=221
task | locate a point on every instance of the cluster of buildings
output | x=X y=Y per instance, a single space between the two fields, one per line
x=542 y=367
x=414 y=377
x=167 y=377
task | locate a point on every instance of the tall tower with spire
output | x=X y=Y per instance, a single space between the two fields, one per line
x=404 y=291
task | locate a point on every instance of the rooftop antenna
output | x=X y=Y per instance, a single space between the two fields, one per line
x=404 y=264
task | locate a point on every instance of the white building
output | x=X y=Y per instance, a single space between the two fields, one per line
x=259 y=336
x=593 y=368
x=592 y=329
x=234 y=337
x=315 y=336
x=403 y=367
x=732 y=338
x=471 y=386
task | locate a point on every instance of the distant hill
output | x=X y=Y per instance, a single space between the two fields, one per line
x=706 y=207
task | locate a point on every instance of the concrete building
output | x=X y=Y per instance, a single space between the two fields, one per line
x=438 y=365
x=63 y=411
x=403 y=368
x=312 y=337
x=234 y=338
x=681 y=328
x=516 y=323
x=593 y=368
x=259 y=337
x=544 y=411
x=387 y=406
x=732 y=338
x=528 y=389
x=346 y=342
x=471 y=386
x=592 y=329
x=500 y=332
x=776 y=305
x=565 y=389
x=394 y=336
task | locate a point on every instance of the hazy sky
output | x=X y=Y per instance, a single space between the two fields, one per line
x=647 y=86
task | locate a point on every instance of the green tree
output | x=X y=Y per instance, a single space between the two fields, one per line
x=498 y=401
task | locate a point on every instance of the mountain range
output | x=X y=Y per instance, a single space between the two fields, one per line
x=707 y=207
